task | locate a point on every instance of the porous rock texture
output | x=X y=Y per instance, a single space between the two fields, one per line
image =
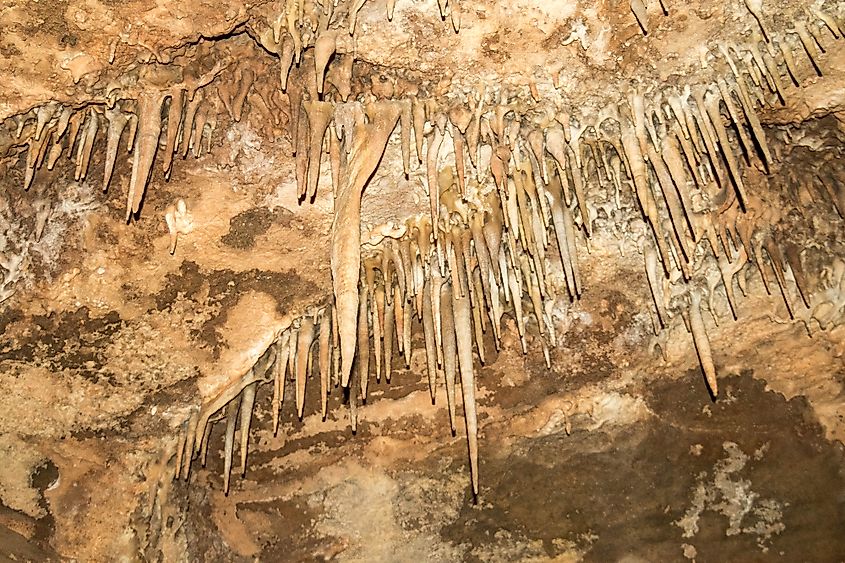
x=407 y=280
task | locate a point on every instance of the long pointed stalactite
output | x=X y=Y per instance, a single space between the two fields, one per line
x=367 y=147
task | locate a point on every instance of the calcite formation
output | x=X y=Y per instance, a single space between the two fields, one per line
x=686 y=166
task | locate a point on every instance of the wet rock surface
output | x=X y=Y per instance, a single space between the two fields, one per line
x=750 y=476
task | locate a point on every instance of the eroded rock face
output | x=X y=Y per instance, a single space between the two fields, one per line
x=511 y=233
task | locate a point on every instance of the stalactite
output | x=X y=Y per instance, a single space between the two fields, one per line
x=305 y=338
x=702 y=343
x=369 y=144
x=363 y=362
x=83 y=157
x=463 y=337
x=433 y=149
x=247 y=404
x=187 y=449
x=554 y=192
x=488 y=279
x=711 y=105
x=428 y=330
x=639 y=10
x=810 y=47
x=283 y=350
x=174 y=121
x=449 y=349
x=229 y=446
x=670 y=197
x=117 y=121
x=149 y=130
x=324 y=47
x=406 y=333
x=319 y=115
x=389 y=331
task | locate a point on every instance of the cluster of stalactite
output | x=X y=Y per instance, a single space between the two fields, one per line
x=508 y=212
x=179 y=103
x=511 y=205
x=682 y=151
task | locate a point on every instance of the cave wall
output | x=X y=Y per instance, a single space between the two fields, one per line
x=581 y=212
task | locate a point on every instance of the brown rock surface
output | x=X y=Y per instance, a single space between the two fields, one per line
x=592 y=184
